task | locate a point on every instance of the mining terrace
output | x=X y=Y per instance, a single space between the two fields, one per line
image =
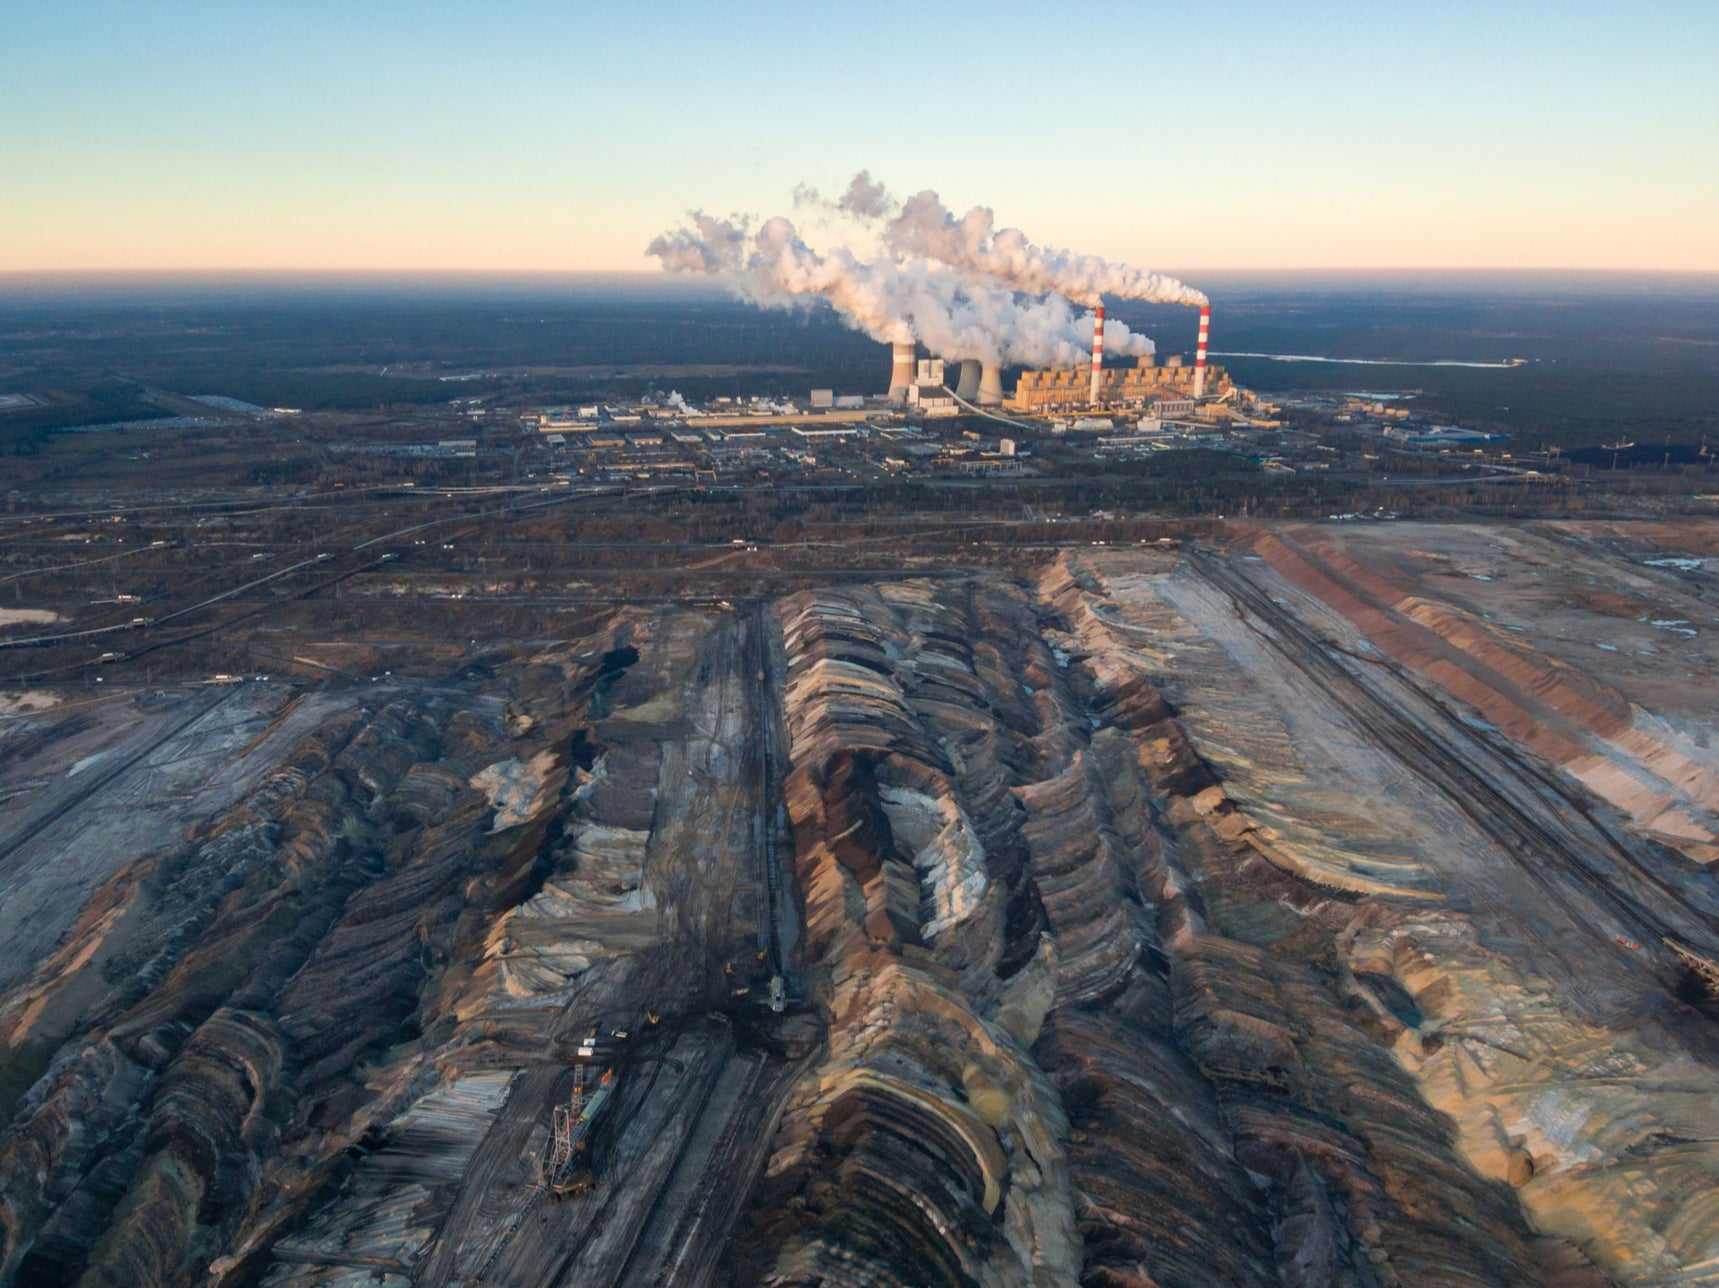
x=603 y=888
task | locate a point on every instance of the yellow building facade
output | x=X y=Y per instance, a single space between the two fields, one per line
x=1119 y=386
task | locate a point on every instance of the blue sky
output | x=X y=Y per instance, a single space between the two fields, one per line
x=524 y=135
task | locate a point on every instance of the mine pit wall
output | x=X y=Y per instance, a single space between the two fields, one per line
x=1549 y=706
x=1495 y=1038
x=643 y=883
x=233 y=1017
x=1366 y=1183
x=905 y=920
x=211 y=1072
x=1572 y=1067
x=1054 y=1053
x=157 y=772
x=1085 y=1023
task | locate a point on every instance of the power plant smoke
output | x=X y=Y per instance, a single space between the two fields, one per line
x=925 y=229
x=772 y=266
x=961 y=287
x=865 y=198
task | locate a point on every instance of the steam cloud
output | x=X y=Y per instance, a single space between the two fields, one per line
x=866 y=198
x=925 y=229
x=961 y=286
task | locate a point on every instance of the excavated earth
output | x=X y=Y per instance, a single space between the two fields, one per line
x=1330 y=904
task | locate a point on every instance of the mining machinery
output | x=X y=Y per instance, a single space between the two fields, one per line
x=566 y=1168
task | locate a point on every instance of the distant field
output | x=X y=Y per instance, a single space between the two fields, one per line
x=1600 y=358
x=600 y=371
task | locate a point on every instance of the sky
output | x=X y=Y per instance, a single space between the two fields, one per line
x=521 y=135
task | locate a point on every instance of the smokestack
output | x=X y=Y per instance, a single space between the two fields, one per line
x=1097 y=354
x=1200 y=352
x=967 y=389
x=902 y=373
x=990 y=386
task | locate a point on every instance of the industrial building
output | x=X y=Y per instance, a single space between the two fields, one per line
x=923 y=383
x=1121 y=386
x=1144 y=382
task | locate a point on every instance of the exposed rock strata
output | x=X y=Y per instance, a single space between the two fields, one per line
x=1661 y=778
x=1591 y=1123
x=1230 y=1107
x=203 y=1035
x=1138 y=960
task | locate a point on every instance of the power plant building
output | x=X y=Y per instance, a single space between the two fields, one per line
x=1118 y=386
x=932 y=400
x=939 y=386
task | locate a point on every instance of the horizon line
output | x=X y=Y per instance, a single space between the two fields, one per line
x=657 y=274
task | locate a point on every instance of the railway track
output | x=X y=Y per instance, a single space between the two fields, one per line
x=758 y=682
x=319 y=556
x=595 y=1210
x=100 y=777
x=673 y=1182
x=693 y=1187
x=652 y=1204
x=696 y=1200
x=1658 y=912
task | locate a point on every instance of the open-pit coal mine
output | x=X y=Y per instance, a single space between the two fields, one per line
x=1280 y=905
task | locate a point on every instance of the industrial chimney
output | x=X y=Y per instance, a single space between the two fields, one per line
x=990 y=386
x=1200 y=352
x=967 y=388
x=1097 y=354
x=901 y=374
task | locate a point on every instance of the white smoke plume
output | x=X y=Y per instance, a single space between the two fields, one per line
x=1117 y=337
x=866 y=198
x=712 y=246
x=962 y=287
x=924 y=228
x=891 y=302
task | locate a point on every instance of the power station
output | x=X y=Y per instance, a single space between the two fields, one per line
x=924 y=384
x=978 y=297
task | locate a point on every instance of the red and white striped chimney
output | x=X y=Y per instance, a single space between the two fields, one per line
x=1200 y=352
x=1097 y=353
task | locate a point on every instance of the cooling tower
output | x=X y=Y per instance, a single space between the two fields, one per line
x=1097 y=355
x=967 y=389
x=990 y=386
x=1200 y=352
x=901 y=374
